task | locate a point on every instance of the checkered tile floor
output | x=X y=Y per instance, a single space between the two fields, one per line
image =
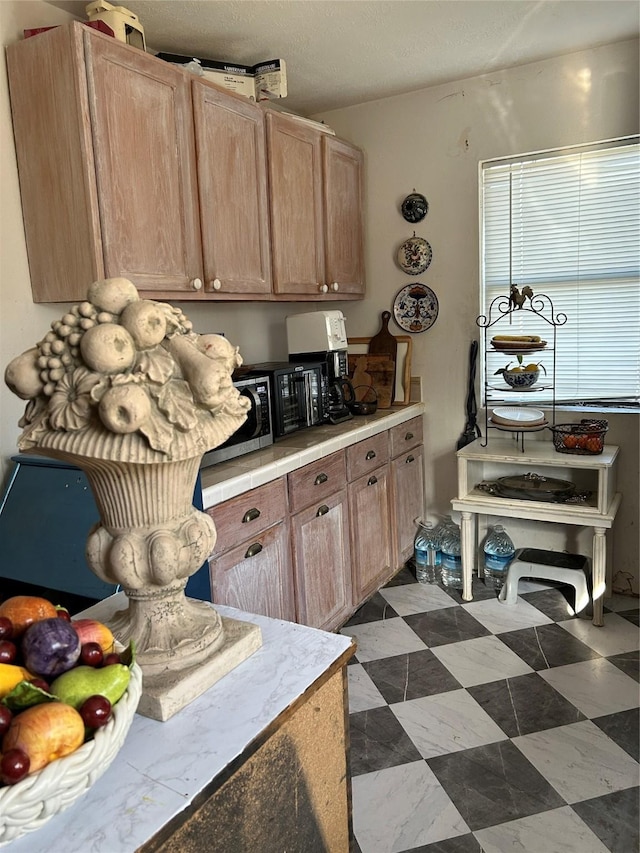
x=486 y=727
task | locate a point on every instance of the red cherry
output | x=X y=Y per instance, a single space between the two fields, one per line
x=41 y=683
x=95 y=711
x=91 y=654
x=8 y=651
x=6 y=628
x=63 y=613
x=111 y=658
x=5 y=719
x=14 y=766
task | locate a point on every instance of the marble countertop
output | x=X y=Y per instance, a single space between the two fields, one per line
x=227 y=479
x=163 y=766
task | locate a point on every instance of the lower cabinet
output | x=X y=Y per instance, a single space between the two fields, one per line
x=320 y=542
x=255 y=575
x=407 y=485
x=312 y=546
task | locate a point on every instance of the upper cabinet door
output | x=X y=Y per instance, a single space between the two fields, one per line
x=295 y=180
x=232 y=182
x=142 y=124
x=343 y=216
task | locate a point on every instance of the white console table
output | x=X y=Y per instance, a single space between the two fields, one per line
x=595 y=473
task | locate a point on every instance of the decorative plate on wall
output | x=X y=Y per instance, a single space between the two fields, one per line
x=415 y=207
x=415 y=308
x=414 y=255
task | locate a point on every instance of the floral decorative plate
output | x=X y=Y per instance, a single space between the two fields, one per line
x=414 y=255
x=415 y=308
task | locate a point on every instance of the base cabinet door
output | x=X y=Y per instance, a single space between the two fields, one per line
x=256 y=575
x=371 y=534
x=322 y=563
x=407 y=500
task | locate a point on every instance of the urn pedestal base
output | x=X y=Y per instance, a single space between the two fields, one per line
x=166 y=693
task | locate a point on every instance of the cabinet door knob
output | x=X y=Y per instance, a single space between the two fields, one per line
x=216 y=284
x=408 y=436
x=252 y=550
x=372 y=481
x=323 y=510
x=320 y=479
x=251 y=515
x=371 y=455
x=196 y=284
x=335 y=286
x=323 y=288
x=409 y=458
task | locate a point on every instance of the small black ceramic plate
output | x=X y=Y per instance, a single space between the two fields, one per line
x=415 y=308
x=415 y=207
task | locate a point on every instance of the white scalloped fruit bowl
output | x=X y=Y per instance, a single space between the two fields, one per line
x=29 y=804
x=514 y=416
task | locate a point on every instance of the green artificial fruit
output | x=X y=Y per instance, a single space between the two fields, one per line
x=77 y=684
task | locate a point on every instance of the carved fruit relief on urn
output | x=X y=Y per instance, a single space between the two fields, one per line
x=123 y=388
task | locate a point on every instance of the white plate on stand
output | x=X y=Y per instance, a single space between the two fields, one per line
x=518 y=417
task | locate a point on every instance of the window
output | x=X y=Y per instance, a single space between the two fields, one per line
x=567 y=224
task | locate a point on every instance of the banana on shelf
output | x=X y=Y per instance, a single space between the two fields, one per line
x=528 y=339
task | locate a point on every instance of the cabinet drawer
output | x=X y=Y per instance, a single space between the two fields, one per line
x=367 y=455
x=315 y=482
x=405 y=436
x=249 y=514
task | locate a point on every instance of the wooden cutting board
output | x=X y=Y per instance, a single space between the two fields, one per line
x=377 y=371
x=384 y=343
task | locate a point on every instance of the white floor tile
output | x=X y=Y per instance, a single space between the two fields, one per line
x=580 y=761
x=446 y=722
x=596 y=687
x=498 y=617
x=383 y=639
x=555 y=831
x=401 y=808
x=363 y=694
x=617 y=636
x=480 y=661
x=416 y=598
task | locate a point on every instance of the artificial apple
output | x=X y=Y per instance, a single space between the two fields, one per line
x=45 y=732
x=92 y=631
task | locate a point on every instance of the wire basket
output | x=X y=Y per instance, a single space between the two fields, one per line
x=29 y=804
x=585 y=438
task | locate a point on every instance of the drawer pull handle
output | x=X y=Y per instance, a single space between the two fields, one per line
x=252 y=550
x=320 y=479
x=408 y=436
x=372 y=481
x=410 y=458
x=250 y=515
x=370 y=455
x=323 y=510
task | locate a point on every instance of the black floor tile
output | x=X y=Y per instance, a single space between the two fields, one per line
x=378 y=741
x=493 y=784
x=629 y=663
x=410 y=676
x=557 y=603
x=479 y=590
x=631 y=615
x=525 y=704
x=614 y=819
x=459 y=844
x=373 y=610
x=404 y=576
x=449 y=625
x=546 y=646
x=624 y=729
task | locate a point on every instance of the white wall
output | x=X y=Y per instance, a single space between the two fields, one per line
x=431 y=141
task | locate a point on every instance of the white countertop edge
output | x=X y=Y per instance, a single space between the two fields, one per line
x=229 y=479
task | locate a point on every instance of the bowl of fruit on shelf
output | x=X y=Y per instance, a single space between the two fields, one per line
x=521 y=375
x=68 y=695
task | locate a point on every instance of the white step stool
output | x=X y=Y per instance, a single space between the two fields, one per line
x=548 y=565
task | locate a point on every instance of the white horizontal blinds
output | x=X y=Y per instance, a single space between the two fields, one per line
x=568 y=225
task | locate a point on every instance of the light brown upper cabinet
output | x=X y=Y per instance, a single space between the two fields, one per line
x=316 y=212
x=129 y=166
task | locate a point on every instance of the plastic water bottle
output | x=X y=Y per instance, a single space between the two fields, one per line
x=498 y=553
x=451 y=564
x=426 y=552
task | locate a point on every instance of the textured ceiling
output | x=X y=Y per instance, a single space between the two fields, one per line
x=344 y=52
